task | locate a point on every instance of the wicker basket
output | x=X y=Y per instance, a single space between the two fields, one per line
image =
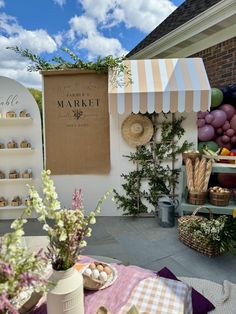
x=95 y=284
x=197 y=198
x=187 y=238
x=191 y=155
x=219 y=199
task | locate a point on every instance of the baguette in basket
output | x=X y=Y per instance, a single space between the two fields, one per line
x=198 y=174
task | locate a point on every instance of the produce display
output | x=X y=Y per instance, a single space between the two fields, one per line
x=198 y=174
x=219 y=189
x=219 y=124
x=216 y=143
x=219 y=196
x=213 y=146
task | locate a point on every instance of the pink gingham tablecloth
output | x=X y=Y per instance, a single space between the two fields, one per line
x=160 y=296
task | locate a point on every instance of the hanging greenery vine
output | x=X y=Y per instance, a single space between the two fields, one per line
x=150 y=166
x=101 y=65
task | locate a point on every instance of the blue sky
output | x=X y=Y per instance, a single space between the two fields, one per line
x=88 y=27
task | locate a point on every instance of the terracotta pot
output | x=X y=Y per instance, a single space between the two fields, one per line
x=66 y=294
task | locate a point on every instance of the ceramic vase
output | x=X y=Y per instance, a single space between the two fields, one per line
x=66 y=294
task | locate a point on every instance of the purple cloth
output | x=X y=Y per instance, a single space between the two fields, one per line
x=200 y=304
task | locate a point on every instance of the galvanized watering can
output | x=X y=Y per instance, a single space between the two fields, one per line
x=166 y=215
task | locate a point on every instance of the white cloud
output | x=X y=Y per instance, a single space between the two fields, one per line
x=83 y=25
x=84 y=30
x=12 y=64
x=58 y=39
x=14 y=35
x=2 y=3
x=145 y=15
x=28 y=79
x=98 y=9
x=98 y=45
x=59 y=2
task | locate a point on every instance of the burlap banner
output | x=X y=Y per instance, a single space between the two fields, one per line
x=76 y=122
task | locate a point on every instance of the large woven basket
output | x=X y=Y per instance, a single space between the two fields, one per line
x=186 y=237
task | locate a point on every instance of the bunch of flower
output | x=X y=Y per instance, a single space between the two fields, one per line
x=220 y=232
x=66 y=228
x=212 y=228
x=20 y=269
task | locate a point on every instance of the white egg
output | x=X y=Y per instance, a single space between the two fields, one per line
x=88 y=272
x=95 y=274
x=103 y=276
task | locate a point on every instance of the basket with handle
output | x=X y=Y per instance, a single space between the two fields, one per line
x=187 y=237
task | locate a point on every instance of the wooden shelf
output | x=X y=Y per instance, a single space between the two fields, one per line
x=227 y=210
x=221 y=167
x=17 y=120
x=231 y=159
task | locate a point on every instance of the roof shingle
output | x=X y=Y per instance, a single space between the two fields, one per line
x=184 y=13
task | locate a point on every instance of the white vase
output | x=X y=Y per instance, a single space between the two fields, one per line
x=67 y=293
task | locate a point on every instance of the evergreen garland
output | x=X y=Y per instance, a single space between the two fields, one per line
x=101 y=65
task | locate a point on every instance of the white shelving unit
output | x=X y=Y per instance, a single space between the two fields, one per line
x=223 y=210
x=15 y=97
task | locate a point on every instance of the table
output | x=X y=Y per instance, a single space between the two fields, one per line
x=140 y=287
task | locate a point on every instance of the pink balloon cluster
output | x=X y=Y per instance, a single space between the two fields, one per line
x=218 y=125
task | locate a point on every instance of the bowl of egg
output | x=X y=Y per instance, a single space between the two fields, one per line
x=98 y=276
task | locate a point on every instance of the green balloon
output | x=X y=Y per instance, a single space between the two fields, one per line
x=216 y=97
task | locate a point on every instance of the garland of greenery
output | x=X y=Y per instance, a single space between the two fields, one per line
x=101 y=65
x=162 y=179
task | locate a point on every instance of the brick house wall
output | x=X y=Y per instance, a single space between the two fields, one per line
x=220 y=62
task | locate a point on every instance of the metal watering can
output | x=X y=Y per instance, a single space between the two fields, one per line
x=167 y=207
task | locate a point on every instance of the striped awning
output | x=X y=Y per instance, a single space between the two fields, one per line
x=160 y=85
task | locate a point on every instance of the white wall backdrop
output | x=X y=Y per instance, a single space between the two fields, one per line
x=94 y=186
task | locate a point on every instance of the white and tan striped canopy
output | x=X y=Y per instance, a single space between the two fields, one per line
x=160 y=85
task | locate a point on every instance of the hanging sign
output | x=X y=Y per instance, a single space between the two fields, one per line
x=76 y=122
